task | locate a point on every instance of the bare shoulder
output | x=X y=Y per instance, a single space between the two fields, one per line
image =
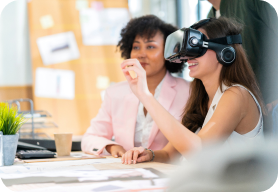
x=237 y=93
x=236 y=98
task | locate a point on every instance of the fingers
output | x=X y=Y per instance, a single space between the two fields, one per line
x=121 y=153
x=144 y=157
x=132 y=65
x=130 y=62
x=123 y=158
x=135 y=156
x=128 y=157
x=133 y=68
x=127 y=76
x=131 y=155
x=114 y=154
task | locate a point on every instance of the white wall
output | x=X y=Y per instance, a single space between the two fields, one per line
x=190 y=10
x=164 y=9
x=15 y=62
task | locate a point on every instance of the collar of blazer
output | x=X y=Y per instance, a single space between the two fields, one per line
x=165 y=98
x=167 y=93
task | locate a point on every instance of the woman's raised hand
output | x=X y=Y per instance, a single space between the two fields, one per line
x=139 y=84
x=137 y=154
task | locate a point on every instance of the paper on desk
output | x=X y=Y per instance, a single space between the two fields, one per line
x=117 y=173
x=39 y=169
x=102 y=27
x=136 y=185
x=55 y=83
x=58 y=48
x=85 y=173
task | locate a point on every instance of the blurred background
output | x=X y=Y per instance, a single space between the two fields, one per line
x=62 y=55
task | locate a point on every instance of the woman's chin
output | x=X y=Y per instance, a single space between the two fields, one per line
x=192 y=75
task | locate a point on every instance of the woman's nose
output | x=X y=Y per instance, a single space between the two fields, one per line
x=141 y=53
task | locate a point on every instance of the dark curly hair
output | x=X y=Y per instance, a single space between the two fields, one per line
x=146 y=26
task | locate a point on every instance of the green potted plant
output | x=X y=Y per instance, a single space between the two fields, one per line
x=11 y=123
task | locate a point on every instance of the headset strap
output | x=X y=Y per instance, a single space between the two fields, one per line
x=200 y=23
x=229 y=40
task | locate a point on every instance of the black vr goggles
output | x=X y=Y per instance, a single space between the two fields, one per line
x=189 y=43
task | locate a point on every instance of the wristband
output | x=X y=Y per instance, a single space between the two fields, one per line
x=152 y=153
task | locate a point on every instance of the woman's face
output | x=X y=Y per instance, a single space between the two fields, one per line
x=204 y=66
x=150 y=53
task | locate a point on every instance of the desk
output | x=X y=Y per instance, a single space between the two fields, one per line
x=161 y=167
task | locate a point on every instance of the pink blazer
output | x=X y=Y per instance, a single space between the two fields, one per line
x=118 y=113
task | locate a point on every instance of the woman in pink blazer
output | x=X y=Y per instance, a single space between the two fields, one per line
x=121 y=114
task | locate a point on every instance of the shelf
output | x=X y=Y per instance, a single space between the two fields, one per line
x=35 y=117
x=28 y=135
x=37 y=114
x=39 y=125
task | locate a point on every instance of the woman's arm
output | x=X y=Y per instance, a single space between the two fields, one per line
x=100 y=132
x=179 y=136
x=227 y=116
x=167 y=154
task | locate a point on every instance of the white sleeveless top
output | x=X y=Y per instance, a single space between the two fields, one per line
x=250 y=138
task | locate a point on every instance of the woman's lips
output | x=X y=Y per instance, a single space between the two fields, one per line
x=192 y=64
x=190 y=67
x=144 y=64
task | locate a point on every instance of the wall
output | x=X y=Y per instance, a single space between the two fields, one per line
x=15 y=63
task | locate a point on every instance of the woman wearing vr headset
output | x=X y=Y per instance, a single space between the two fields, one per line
x=225 y=101
x=121 y=113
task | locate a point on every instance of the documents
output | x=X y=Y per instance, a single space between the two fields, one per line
x=55 y=83
x=102 y=27
x=135 y=185
x=58 y=48
x=52 y=169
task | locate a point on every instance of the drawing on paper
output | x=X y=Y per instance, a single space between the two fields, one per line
x=58 y=48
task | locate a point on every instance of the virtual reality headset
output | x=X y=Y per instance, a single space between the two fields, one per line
x=189 y=43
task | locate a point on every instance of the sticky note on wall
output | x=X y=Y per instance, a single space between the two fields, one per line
x=97 y=5
x=46 y=21
x=102 y=82
x=81 y=4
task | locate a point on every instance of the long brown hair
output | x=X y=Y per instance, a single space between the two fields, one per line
x=240 y=72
